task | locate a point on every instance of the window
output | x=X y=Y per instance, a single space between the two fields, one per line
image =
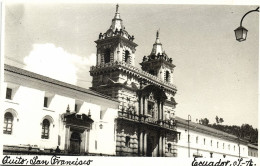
x=211 y=143
x=228 y=147
x=152 y=72
x=197 y=139
x=45 y=129
x=8 y=93
x=211 y=154
x=76 y=108
x=127 y=56
x=234 y=147
x=8 y=123
x=150 y=108
x=127 y=141
x=204 y=141
x=169 y=147
x=107 y=55
x=217 y=144
x=223 y=145
x=45 y=104
x=167 y=76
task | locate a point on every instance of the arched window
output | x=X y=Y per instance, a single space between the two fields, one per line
x=107 y=55
x=8 y=123
x=127 y=56
x=45 y=129
x=167 y=76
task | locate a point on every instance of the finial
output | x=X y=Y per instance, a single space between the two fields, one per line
x=117 y=8
x=68 y=109
x=157 y=34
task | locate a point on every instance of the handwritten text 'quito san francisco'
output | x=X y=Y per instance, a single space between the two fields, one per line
x=55 y=160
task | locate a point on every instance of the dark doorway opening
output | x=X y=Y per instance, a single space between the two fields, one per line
x=75 y=141
x=150 y=147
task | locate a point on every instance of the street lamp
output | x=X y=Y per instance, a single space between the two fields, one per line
x=241 y=32
x=189 y=119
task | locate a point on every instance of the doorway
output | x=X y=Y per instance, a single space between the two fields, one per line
x=150 y=147
x=75 y=141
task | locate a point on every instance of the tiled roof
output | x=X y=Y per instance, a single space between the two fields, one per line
x=53 y=81
x=205 y=128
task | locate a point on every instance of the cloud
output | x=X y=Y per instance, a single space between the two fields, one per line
x=55 y=62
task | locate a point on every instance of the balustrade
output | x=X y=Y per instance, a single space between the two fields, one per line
x=133 y=116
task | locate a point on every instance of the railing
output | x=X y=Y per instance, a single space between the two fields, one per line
x=135 y=69
x=133 y=116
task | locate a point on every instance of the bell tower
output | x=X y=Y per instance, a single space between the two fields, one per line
x=116 y=45
x=158 y=63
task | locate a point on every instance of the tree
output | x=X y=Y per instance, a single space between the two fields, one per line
x=204 y=121
x=221 y=120
x=217 y=119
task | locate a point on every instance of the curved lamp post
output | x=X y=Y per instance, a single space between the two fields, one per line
x=241 y=32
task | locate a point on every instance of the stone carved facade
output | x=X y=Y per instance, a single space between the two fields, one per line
x=145 y=123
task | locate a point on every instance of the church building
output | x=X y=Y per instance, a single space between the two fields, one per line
x=145 y=123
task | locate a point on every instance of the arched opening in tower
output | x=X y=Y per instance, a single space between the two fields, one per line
x=107 y=55
x=167 y=77
x=127 y=56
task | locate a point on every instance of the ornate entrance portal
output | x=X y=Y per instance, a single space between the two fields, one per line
x=77 y=132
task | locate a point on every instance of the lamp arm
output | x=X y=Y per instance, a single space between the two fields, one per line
x=256 y=10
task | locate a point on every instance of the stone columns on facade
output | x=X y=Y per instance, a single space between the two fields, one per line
x=141 y=106
x=83 y=142
x=67 y=138
x=159 y=111
x=145 y=105
x=160 y=146
x=87 y=142
x=163 y=145
x=162 y=116
x=98 y=58
x=145 y=143
x=141 y=144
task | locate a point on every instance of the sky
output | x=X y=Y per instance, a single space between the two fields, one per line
x=215 y=75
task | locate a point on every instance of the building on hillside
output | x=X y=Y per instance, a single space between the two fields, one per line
x=46 y=116
x=201 y=141
x=145 y=123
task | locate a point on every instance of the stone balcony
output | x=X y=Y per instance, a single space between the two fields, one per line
x=147 y=119
x=129 y=67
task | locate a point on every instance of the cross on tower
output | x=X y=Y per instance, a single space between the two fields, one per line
x=117 y=8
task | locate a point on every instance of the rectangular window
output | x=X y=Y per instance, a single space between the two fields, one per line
x=204 y=141
x=217 y=144
x=76 y=108
x=197 y=139
x=95 y=144
x=45 y=102
x=223 y=145
x=8 y=93
x=211 y=143
x=150 y=108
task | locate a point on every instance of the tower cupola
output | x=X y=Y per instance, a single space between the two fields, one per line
x=158 y=63
x=116 y=45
